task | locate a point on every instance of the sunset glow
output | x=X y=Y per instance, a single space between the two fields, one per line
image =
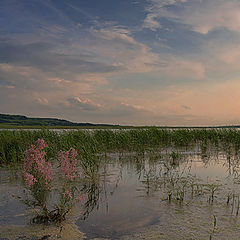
x=130 y=62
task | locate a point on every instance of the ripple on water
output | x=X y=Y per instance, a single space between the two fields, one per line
x=132 y=201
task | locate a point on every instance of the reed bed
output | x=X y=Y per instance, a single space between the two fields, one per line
x=88 y=143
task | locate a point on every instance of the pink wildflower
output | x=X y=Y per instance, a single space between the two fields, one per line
x=35 y=164
x=40 y=144
x=68 y=163
x=29 y=179
x=67 y=193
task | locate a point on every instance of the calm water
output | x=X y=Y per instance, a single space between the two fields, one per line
x=165 y=196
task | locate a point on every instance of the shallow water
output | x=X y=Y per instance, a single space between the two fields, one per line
x=149 y=197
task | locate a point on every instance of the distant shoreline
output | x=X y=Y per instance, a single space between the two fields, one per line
x=9 y=121
x=23 y=127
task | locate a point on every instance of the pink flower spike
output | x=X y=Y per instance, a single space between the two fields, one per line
x=36 y=165
x=40 y=144
x=67 y=193
x=68 y=164
x=29 y=179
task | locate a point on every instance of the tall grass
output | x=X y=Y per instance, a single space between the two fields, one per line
x=91 y=143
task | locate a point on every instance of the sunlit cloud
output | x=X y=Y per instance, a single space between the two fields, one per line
x=119 y=47
x=151 y=22
x=84 y=104
x=42 y=101
x=158 y=62
x=200 y=15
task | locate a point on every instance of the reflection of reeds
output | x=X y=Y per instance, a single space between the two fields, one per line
x=176 y=184
x=92 y=191
x=235 y=202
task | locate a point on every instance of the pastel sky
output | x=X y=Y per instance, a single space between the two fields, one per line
x=131 y=62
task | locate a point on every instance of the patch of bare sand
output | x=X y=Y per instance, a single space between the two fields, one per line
x=65 y=231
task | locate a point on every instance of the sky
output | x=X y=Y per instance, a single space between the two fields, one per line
x=129 y=62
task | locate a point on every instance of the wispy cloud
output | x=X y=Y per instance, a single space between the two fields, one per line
x=144 y=62
x=201 y=16
x=118 y=46
x=84 y=104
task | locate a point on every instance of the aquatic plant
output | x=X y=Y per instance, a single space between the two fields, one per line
x=211 y=189
x=37 y=174
x=138 y=141
x=38 y=177
x=214 y=227
x=174 y=157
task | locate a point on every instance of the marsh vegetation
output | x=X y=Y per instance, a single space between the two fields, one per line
x=137 y=184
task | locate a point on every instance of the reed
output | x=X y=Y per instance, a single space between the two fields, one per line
x=141 y=141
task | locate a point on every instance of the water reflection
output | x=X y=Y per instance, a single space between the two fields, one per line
x=149 y=183
x=128 y=193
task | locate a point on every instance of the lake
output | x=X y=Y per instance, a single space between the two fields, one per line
x=179 y=193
